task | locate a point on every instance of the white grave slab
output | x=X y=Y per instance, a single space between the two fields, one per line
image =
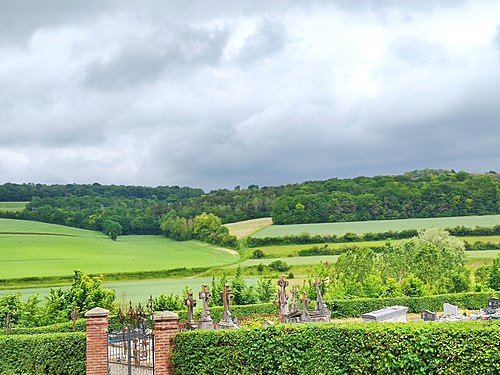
x=450 y=310
x=389 y=314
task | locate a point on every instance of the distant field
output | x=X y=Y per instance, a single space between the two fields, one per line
x=137 y=291
x=245 y=228
x=291 y=261
x=292 y=250
x=12 y=206
x=52 y=250
x=360 y=227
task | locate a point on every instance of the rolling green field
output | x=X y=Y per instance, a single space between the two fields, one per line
x=12 y=206
x=245 y=228
x=39 y=249
x=137 y=291
x=360 y=227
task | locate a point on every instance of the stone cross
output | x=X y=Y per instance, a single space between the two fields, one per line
x=227 y=321
x=283 y=297
x=294 y=294
x=305 y=301
x=190 y=302
x=320 y=302
x=206 y=321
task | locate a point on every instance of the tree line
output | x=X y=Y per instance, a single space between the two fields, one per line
x=121 y=209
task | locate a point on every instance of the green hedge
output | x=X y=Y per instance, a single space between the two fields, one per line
x=55 y=354
x=349 y=348
x=53 y=328
x=358 y=306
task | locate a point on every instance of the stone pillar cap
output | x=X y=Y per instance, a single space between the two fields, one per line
x=97 y=312
x=165 y=315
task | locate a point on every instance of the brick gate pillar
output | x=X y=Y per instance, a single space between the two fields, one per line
x=97 y=341
x=166 y=327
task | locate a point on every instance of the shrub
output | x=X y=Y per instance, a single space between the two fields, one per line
x=258 y=254
x=55 y=354
x=390 y=348
x=279 y=265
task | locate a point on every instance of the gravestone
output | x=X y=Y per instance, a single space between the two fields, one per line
x=206 y=321
x=429 y=316
x=389 y=314
x=493 y=303
x=190 y=303
x=450 y=310
x=283 y=299
x=321 y=312
x=226 y=321
x=293 y=306
x=304 y=317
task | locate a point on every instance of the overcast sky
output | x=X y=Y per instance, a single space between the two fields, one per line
x=216 y=94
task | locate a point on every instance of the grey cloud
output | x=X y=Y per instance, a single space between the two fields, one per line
x=19 y=19
x=269 y=38
x=176 y=50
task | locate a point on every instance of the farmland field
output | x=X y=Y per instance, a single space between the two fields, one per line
x=137 y=291
x=361 y=227
x=245 y=228
x=12 y=206
x=39 y=249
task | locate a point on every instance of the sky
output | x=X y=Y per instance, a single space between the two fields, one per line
x=218 y=94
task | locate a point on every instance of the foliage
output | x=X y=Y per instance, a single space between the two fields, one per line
x=306 y=238
x=56 y=353
x=258 y=254
x=420 y=348
x=279 y=265
x=494 y=276
x=170 y=302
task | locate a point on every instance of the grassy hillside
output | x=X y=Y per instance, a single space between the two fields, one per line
x=360 y=227
x=39 y=249
x=245 y=228
x=12 y=206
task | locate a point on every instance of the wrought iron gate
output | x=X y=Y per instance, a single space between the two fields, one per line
x=130 y=352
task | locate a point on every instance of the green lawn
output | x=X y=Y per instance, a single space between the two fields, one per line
x=360 y=227
x=12 y=206
x=66 y=249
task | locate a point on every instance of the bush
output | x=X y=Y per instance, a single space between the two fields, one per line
x=390 y=348
x=258 y=254
x=279 y=265
x=55 y=354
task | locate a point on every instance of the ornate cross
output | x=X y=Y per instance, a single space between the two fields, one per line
x=305 y=302
x=282 y=296
x=226 y=296
x=190 y=302
x=205 y=296
x=294 y=294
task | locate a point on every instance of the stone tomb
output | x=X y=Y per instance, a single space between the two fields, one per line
x=429 y=316
x=389 y=314
x=450 y=310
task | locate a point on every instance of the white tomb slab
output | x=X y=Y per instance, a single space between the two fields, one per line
x=389 y=314
x=450 y=310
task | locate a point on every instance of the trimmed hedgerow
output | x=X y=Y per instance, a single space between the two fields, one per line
x=358 y=306
x=55 y=354
x=349 y=348
x=80 y=326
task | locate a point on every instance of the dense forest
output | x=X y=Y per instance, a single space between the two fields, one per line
x=145 y=210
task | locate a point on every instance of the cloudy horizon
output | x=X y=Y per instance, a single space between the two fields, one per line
x=222 y=94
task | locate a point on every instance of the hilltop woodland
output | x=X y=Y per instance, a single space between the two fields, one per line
x=174 y=211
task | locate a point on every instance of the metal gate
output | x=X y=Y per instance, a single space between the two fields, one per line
x=130 y=352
